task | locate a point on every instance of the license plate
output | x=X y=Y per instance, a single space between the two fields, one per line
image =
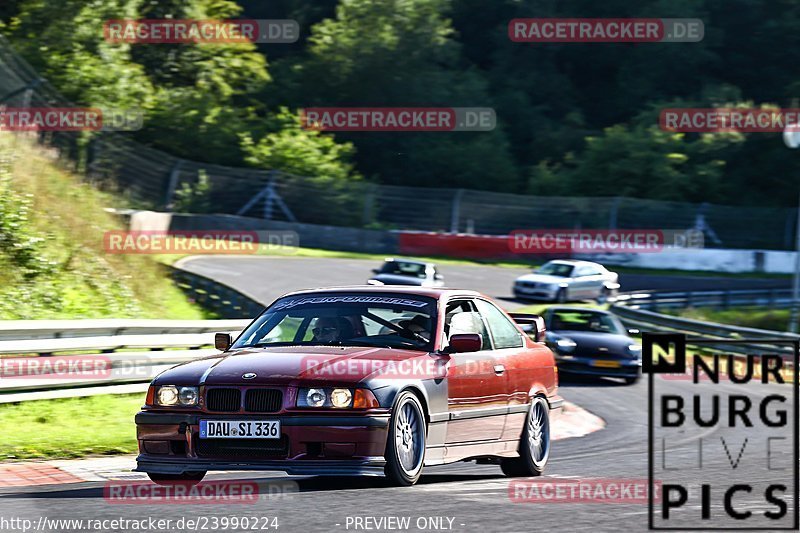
x=240 y=429
x=606 y=364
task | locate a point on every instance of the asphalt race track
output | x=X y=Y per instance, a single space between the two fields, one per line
x=475 y=497
x=266 y=278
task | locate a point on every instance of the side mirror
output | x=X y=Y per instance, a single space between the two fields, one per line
x=465 y=343
x=376 y=270
x=633 y=331
x=532 y=325
x=223 y=341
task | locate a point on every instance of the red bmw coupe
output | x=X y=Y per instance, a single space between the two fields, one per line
x=358 y=381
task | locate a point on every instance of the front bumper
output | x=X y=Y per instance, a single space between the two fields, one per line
x=536 y=293
x=313 y=444
x=588 y=366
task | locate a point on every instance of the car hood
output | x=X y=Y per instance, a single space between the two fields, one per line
x=589 y=342
x=544 y=278
x=290 y=365
x=394 y=279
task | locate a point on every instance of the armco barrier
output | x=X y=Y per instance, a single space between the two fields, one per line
x=137 y=349
x=748 y=340
x=225 y=301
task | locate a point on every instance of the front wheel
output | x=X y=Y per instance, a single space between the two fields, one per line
x=187 y=478
x=405 y=445
x=534 y=445
x=631 y=380
x=561 y=295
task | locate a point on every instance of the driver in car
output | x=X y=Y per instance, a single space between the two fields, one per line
x=330 y=329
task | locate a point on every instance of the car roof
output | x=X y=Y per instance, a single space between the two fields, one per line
x=431 y=292
x=580 y=309
x=404 y=260
x=574 y=262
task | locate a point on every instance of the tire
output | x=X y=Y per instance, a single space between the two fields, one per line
x=631 y=380
x=405 y=443
x=561 y=295
x=533 y=452
x=605 y=293
x=187 y=478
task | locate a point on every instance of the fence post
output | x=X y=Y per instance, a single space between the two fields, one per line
x=455 y=214
x=368 y=216
x=612 y=216
x=169 y=199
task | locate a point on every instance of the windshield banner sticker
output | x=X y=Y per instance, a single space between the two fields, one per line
x=286 y=304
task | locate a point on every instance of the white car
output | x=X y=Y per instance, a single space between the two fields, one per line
x=407 y=272
x=565 y=279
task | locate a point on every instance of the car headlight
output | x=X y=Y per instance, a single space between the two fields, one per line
x=169 y=395
x=315 y=397
x=565 y=345
x=187 y=396
x=341 y=397
x=634 y=350
x=337 y=398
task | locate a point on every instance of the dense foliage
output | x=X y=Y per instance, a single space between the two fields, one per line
x=573 y=119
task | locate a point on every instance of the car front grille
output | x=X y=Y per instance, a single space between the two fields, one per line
x=263 y=400
x=223 y=400
x=244 y=448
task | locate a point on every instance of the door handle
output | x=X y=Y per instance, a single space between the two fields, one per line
x=499 y=369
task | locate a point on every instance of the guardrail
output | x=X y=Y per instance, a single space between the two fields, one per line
x=225 y=301
x=124 y=351
x=720 y=299
x=634 y=309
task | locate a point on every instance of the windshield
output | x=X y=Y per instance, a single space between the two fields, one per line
x=398 y=268
x=556 y=269
x=585 y=321
x=386 y=320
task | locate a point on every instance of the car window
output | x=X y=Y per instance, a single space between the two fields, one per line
x=589 y=270
x=461 y=317
x=569 y=320
x=504 y=332
x=380 y=320
x=399 y=268
x=563 y=270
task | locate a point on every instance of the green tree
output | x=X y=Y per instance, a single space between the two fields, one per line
x=402 y=53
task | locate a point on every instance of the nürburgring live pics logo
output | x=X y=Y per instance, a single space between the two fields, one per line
x=724 y=443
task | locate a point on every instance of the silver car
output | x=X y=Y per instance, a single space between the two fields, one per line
x=407 y=272
x=566 y=279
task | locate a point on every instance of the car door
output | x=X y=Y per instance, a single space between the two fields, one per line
x=582 y=283
x=512 y=352
x=593 y=281
x=477 y=398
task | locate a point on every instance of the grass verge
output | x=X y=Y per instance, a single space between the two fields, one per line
x=69 y=427
x=770 y=319
x=53 y=263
